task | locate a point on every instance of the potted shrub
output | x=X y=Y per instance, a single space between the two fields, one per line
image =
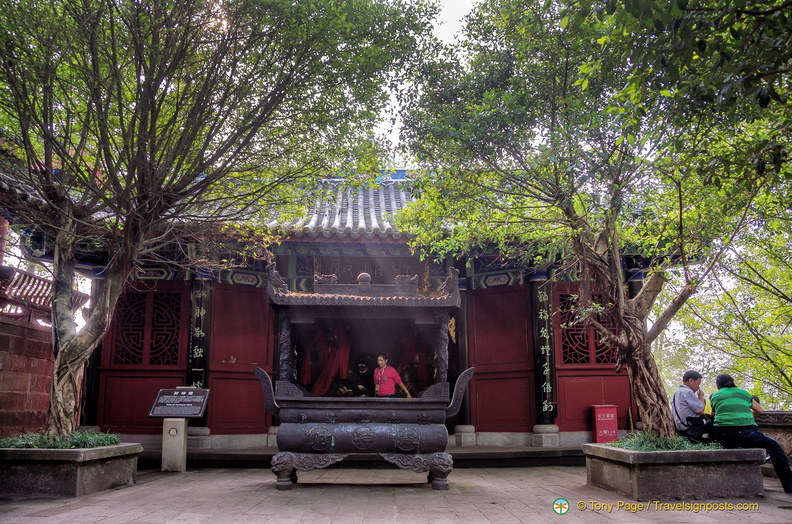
x=38 y=466
x=644 y=467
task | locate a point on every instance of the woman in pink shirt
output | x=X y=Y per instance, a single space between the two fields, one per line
x=386 y=379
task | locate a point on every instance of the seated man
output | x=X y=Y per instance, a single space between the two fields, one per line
x=687 y=408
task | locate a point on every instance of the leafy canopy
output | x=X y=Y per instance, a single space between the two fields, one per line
x=527 y=149
x=541 y=132
x=193 y=110
x=142 y=128
x=740 y=322
x=727 y=58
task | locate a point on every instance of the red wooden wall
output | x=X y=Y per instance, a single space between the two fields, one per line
x=242 y=334
x=585 y=370
x=146 y=350
x=501 y=349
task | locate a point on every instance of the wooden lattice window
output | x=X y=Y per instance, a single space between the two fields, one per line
x=148 y=329
x=580 y=342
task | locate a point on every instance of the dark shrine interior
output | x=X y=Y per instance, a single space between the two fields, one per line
x=322 y=350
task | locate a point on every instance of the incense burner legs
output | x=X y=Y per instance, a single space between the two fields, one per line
x=286 y=464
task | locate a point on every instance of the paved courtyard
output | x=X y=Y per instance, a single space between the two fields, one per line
x=348 y=496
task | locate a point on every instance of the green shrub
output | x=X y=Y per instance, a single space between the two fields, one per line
x=78 y=439
x=648 y=442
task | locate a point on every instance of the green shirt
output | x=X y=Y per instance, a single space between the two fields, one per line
x=732 y=407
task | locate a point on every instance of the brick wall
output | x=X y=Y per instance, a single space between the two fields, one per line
x=26 y=367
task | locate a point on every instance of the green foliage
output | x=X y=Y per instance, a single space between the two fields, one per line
x=648 y=442
x=529 y=142
x=722 y=69
x=724 y=58
x=225 y=100
x=739 y=324
x=78 y=439
x=140 y=127
x=550 y=132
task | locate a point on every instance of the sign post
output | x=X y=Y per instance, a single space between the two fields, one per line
x=175 y=406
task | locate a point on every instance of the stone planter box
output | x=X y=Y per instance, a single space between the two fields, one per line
x=57 y=473
x=665 y=475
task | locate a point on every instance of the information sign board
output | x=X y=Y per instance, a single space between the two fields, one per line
x=180 y=403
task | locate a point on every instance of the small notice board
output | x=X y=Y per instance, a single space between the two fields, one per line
x=180 y=403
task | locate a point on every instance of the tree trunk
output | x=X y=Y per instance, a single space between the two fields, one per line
x=72 y=349
x=65 y=393
x=650 y=396
x=647 y=386
x=601 y=275
x=62 y=417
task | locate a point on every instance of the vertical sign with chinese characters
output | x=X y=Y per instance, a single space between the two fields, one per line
x=543 y=344
x=199 y=341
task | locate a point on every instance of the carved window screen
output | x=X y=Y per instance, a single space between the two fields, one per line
x=148 y=329
x=581 y=345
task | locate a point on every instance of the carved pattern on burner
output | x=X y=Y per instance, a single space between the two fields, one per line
x=282 y=462
x=309 y=461
x=417 y=463
x=442 y=463
x=363 y=438
x=320 y=438
x=361 y=417
x=406 y=439
x=393 y=417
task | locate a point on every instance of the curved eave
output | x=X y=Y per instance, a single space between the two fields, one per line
x=318 y=299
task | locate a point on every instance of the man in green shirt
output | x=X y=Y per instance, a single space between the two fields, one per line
x=735 y=426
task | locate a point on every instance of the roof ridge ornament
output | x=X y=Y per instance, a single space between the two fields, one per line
x=328 y=292
x=451 y=283
x=275 y=282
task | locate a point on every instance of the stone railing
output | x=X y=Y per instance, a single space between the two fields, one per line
x=778 y=425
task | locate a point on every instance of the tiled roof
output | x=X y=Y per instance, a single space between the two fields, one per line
x=14 y=193
x=340 y=211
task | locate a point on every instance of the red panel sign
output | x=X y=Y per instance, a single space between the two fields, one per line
x=605 y=427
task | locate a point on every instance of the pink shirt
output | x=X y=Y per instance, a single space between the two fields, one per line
x=386 y=380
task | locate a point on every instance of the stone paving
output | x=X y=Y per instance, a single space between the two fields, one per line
x=348 y=496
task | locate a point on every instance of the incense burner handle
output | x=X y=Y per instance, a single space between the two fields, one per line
x=269 y=393
x=459 y=392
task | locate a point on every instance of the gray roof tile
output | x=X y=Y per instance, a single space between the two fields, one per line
x=340 y=210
